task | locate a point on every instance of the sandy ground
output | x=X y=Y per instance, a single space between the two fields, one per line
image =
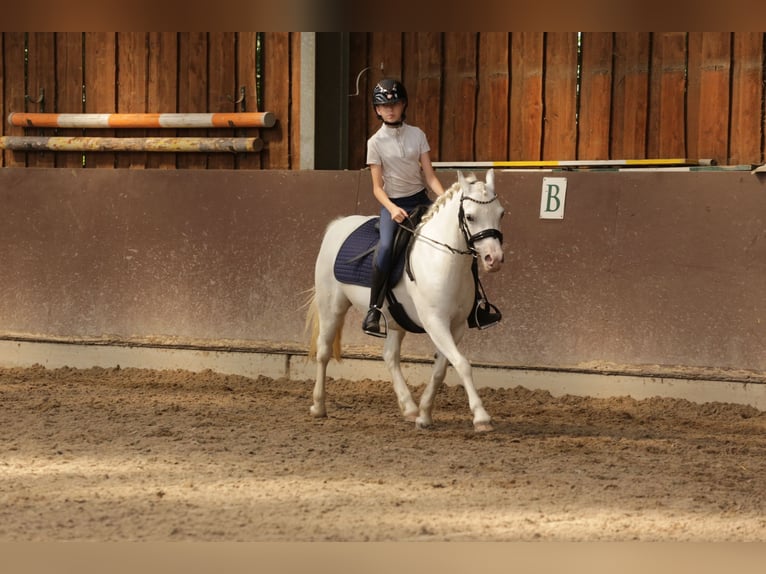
x=141 y=455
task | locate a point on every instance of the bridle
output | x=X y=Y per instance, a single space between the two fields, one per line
x=472 y=239
x=463 y=224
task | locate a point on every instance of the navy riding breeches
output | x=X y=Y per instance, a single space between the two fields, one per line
x=388 y=227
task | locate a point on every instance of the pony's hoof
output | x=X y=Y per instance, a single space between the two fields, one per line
x=411 y=414
x=422 y=424
x=483 y=427
x=318 y=412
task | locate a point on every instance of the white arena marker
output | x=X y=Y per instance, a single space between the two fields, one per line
x=553 y=198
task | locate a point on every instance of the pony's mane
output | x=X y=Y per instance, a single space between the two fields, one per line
x=449 y=193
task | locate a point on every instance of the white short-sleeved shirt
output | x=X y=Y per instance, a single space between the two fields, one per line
x=398 y=150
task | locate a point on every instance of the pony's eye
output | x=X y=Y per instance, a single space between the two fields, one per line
x=469 y=217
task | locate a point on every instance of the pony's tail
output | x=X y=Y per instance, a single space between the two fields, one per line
x=312 y=326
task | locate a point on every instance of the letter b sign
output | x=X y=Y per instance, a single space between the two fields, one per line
x=553 y=198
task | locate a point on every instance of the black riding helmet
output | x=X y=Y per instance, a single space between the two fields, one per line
x=389 y=91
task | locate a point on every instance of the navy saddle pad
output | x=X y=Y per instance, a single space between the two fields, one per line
x=353 y=264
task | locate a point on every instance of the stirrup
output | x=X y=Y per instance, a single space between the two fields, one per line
x=484 y=315
x=371 y=326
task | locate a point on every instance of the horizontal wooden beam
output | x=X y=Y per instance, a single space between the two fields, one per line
x=143 y=121
x=148 y=144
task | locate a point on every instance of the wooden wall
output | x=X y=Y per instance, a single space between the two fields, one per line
x=107 y=72
x=496 y=96
x=479 y=96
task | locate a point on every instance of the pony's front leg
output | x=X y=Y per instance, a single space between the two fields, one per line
x=392 y=358
x=482 y=422
x=445 y=342
x=425 y=419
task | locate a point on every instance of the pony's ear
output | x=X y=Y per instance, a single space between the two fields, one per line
x=490 y=178
x=461 y=179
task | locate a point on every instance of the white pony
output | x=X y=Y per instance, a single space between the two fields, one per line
x=437 y=294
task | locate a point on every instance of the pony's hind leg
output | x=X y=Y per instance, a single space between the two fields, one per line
x=425 y=418
x=318 y=408
x=392 y=358
x=328 y=327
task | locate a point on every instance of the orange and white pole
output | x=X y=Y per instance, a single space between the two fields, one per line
x=143 y=121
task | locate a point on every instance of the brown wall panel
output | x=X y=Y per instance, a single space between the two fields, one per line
x=165 y=254
x=41 y=85
x=646 y=268
x=14 y=90
x=667 y=96
x=69 y=82
x=526 y=117
x=100 y=88
x=595 y=96
x=492 y=103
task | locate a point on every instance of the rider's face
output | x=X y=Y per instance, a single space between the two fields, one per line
x=391 y=113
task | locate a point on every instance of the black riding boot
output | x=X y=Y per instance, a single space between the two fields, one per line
x=484 y=314
x=371 y=324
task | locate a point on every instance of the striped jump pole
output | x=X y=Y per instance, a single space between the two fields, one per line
x=578 y=163
x=143 y=121
x=149 y=144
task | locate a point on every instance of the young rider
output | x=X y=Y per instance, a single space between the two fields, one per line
x=401 y=170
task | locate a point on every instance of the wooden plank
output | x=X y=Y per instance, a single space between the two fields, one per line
x=526 y=110
x=424 y=87
x=560 y=126
x=491 y=142
x=747 y=97
x=14 y=47
x=630 y=103
x=694 y=55
x=132 y=78
x=3 y=113
x=460 y=85
x=192 y=88
x=41 y=83
x=100 y=87
x=708 y=94
x=595 y=96
x=276 y=51
x=294 y=111
x=222 y=89
x=246 y=46
x=162 y=88
x=715 y=97
x=359 y=105
x=666 y=135
x=69 y=82
x=386 y=50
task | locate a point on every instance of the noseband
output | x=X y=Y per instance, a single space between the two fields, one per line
x=483 y=234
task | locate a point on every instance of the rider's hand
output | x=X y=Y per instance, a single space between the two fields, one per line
x=398 y=214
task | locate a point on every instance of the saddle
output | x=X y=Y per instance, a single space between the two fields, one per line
x=353 y=263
